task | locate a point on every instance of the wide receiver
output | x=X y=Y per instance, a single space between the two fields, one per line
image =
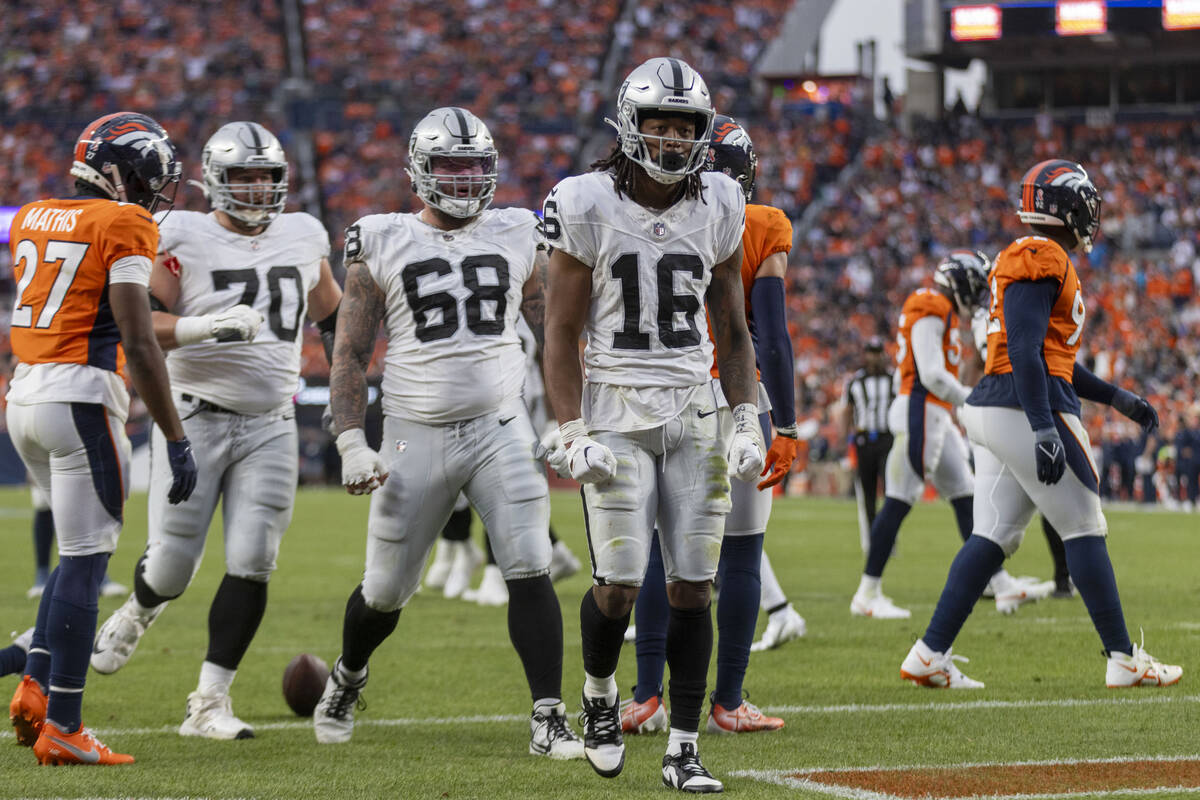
x=447 y=283
x=216 y=278
x=641 y=245
x=1031 y=450
x=765 y=245
x=82 y=265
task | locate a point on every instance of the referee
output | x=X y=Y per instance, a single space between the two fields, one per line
x=864 y=419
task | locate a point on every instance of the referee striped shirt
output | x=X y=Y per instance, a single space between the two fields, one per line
x=870 y=396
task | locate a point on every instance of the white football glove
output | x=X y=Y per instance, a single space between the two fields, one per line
x=588 y=461
x=363 y=471
x=551 y=449
x=746 y=448
x=237 y=324
x=979 y=323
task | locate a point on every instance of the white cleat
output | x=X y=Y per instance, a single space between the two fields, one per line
x=211 y=716
x=333 y=718
x=492 y=591
x=782 y=626
x=550 y=735
x=118 y=637
x=1140 y=669
x=603 y=744
x=1020 y=591
x=877 y=606
x=111 y=588
x=926 y=667
x=467 y=558
x=563 y=563
x=439 y=570
x=684 y=771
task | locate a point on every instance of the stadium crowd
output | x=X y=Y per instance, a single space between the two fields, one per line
x=895 y=201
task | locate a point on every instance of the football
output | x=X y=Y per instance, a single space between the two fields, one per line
x=303 y=683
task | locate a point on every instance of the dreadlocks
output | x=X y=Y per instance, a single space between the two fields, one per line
x=624 y=170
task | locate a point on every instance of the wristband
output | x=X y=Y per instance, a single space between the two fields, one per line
x=572 y=430
x=351 y=439
x=191 y=330
x=788 y=431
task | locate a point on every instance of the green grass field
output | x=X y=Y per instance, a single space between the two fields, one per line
x=447 y=703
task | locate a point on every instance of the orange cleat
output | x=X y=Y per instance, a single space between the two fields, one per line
x=647 y=717
x=55 y=748
x=27 y=711
x=746 y=718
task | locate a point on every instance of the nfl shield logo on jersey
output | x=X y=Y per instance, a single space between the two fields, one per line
x=660 y=229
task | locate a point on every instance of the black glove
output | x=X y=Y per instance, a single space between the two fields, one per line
x=1136 y=408
x=1050 y=455
x=183 y=470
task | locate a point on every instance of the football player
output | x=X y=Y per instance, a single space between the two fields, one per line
x=641 y=244
x=216 y=278
x=926 y=441
x=765 y=245
x=447 y=283
x=1031 y=451
x=82 y=265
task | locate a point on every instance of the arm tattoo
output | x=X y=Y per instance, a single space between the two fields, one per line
x=533 y=304
x=361 y=311
x=735 y=350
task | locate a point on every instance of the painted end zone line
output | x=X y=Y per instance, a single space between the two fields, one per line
x=795 y=779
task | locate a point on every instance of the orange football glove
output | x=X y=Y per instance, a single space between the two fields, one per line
x=779 y=460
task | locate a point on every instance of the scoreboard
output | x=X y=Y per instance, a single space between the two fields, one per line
x=981 y=22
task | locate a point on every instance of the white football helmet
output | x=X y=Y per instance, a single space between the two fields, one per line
x=245 y=145
x=452 y=132
x=664 y=86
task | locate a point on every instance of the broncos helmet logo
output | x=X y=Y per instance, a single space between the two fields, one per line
x=1060 y=193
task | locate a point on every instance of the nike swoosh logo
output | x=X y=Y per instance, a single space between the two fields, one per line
x=506 y=421
x=88 y=756
x=703 y=414
x=923 y=661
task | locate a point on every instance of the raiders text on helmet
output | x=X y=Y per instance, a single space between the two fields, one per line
x=664 y=87
x=245 y=145
x=456 y=133
x=965 y=274
x=128 y=157
x=1060 y=193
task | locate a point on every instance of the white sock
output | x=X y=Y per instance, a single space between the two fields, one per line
x=350 y=676
x=869 y=586
x=678 y=737
x=546 y=704
x=594 y=687
x=214 y=679
x=772 y=593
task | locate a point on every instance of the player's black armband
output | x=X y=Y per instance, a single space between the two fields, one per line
x=327 y=326
x=156 y=304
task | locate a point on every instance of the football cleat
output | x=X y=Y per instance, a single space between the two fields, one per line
x=563 y=563
x=467 y=558
x=926 y=667
x=27 y=711
x=550 y=735
x=647 y=717
x=111 y=588
x=34 y=592
x=443 y=559
x=55 y=748
x=1140 y=669
x=333 y=719
x=782 y=626
x=877 y=606
x=630 y=634
x=746 y=718
x=685 y=772
x=1019 y=591
x=492 y=591
x=118 y=637
x=211 y=716
x=603 y=745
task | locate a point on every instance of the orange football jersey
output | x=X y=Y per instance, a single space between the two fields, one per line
x=768 y=231
x=927 y=303
x=1034 y=258
x=62 y=251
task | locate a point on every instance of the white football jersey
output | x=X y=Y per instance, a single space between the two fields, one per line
x=452 y=303
x=273 y=273
x=650 y=271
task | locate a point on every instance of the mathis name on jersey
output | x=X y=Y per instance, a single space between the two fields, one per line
x=52 y=220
